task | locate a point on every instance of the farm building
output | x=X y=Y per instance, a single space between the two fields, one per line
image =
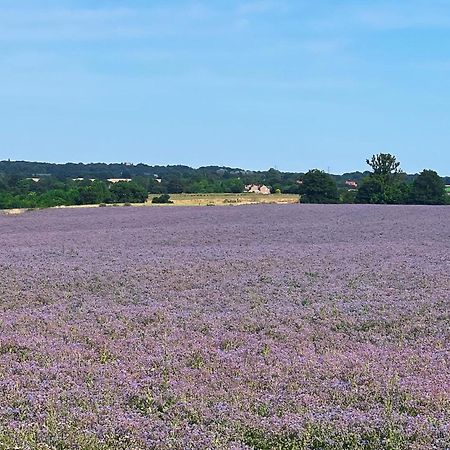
x=257 y=189
x=119 y=180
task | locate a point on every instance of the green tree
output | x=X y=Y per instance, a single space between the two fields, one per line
x=96 y=192
x=398 y=192
x=347 y=196
x=233 y=185
x=164 y=198
x=128 y=192
x=371 y=190
x=53 y=197
x=6 y=200
x=175 y=186
x=428 y=189
x=384 y=164
x=318 y=187
x=386 y=184
x=273 y=176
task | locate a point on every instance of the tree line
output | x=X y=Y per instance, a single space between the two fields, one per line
x=48 y=192
x=34 y=185
x=385 y=184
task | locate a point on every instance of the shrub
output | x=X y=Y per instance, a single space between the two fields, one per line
x=318 y=187
x=428 y=189
x=164 y=198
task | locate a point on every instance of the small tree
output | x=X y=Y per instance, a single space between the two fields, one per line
x=428 y=189
x=164 y=198
x=318 y=187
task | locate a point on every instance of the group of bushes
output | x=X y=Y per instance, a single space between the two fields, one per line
x=27 y=195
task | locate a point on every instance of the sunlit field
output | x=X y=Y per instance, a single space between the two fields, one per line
x=258 y=327
x=229 y=199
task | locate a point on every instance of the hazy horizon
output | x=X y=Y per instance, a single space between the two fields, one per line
x=252 y=169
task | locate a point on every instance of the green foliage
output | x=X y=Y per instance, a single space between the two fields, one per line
x=233 y=186
x=318 y=187
x=49 y=192
x=397 y=192
x=128 y=192
x=96 y=192
x=376 y=189
x=317 y=437
x=384 y=164
x=370 y=191
x=386 y=184
x=59 y=184
x=347 y=196
x=428 y=189
x=62 y=437
x=164 y=198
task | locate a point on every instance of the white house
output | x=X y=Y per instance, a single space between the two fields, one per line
x=352 y=184
x=257 y=189
x=118 y=180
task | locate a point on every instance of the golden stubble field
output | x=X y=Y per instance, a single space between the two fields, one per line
x=228 y=199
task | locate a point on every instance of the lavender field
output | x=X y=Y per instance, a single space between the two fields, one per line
x=253 y=327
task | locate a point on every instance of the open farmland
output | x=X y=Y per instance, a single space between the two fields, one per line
x=284 y=327
x=229 y=199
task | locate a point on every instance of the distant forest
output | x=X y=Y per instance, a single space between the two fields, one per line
x=26 y=184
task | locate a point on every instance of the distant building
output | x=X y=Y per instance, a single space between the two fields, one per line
x=36 y=180
x=257 y=189
x=447 y=189
x=119 y=180
x=351 y=184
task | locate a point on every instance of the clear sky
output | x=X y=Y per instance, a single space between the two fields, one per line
x=292 y=84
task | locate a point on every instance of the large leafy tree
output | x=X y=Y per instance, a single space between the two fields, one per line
x=318 y=187
x=384 y=164
x=386 y=183
x=428 y=189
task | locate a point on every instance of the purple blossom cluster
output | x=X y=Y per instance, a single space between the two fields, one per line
x=255 y=327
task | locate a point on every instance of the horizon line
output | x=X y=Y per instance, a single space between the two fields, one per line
x=131 y=164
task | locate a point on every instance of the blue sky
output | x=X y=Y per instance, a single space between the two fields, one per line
x=290 y=84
